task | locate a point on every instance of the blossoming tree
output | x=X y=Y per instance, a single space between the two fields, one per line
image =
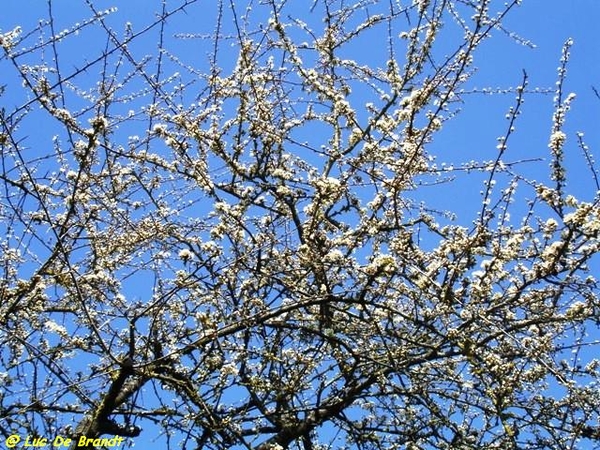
x=221 y=242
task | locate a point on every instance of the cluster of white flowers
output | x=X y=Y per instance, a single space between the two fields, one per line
x=547 y=194
x=53 y=327
x=160 y=129
x=283 y=173
x=284 y=191
x=415 y=100
x=578 y=310
x=557 y=140
x=62 y=114
x=550 y=227
x=186 y=255
x=329 y=188
x=421 y=4
x=99 y=123
x=582 y=215
x=381 y=264
x=334 y=256
x=229 y=369
x=552 y=251
x=7 y=40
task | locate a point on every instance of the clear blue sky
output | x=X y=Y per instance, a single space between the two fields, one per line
x=472 y=135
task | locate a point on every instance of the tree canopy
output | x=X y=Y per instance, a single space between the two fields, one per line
x=232 y=239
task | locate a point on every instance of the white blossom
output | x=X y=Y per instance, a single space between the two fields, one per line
x=7 y=40
x=186 y=255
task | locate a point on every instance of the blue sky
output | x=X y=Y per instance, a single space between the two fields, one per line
x=547 y=24
x=500 y=62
